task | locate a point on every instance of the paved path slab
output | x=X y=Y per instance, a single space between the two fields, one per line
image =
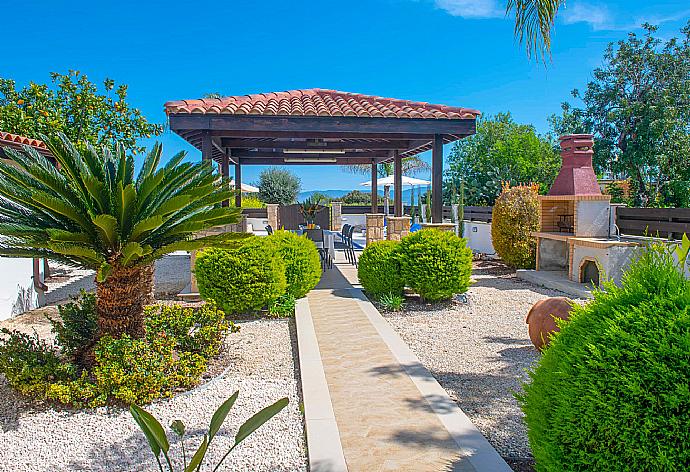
x=390 y=413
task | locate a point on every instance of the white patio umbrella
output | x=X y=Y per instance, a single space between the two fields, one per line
x=388 y=181
x=246 y=188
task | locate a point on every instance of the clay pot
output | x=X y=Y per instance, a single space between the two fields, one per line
x=540 y=319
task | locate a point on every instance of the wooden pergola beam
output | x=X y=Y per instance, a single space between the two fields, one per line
x=321 y=124
x=308 y=160
x=240 y=143
x=285 y=155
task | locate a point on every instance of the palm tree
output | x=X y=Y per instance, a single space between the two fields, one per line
x=533 y=22
x=410 y=166
x=90 y=211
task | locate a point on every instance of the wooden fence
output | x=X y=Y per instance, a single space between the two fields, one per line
x=255 y=212
x=290 y=217
x=664 y=222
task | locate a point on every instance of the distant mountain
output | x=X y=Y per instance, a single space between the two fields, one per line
x=339 y=193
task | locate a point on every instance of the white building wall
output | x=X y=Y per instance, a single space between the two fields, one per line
x=15 y=276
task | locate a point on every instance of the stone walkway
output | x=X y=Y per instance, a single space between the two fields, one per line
x=391 y=414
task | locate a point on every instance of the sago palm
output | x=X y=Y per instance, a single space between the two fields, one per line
x=91 y=211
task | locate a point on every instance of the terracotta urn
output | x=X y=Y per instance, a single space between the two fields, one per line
x=540 y=319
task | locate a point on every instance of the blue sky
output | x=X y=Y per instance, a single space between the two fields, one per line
x=454 y=52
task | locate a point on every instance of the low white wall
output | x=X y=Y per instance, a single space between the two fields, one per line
x=15 y=276
x=355 y=220
x=478 y=235
x=257 y=224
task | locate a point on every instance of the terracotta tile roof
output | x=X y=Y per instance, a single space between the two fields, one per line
x=15 y=141
x=9 y=138
x=318 y=102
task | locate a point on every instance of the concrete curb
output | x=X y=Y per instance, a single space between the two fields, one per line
x=474 y=446
x=323 y=438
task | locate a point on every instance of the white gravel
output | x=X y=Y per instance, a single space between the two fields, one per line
x=258 y=362
x=479 y=351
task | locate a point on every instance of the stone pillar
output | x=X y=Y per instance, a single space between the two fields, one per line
x=193 y=287
x=450 y=227
x=272 y=210
x=336 y=216
x=398 y=227
x=374 y=227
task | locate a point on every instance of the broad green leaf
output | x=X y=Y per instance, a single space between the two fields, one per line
x=146 y=225
x=256 y=421
x=60 y=207
x=220 y=415
x=131 y=251
x=198 y=456
x=145 y=424
x=683 y=249
x=108 y=228
x=60 y=235
x=174 y=204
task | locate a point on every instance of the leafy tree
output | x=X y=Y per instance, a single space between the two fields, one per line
x=638 y=108
x=501 y=151
x=73 y=105
x=357 y=197
x=92 y=212
x=278 y=185
x=410 y=166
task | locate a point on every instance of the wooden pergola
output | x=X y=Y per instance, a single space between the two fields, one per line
x=321 y=127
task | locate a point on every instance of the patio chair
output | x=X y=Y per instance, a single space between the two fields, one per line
x=317 y=237
x=342 y=244
x=351 y=247
x=269 y=229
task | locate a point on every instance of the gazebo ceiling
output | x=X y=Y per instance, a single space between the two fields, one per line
x=315 y=126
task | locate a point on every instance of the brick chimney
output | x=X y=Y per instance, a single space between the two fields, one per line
x=576 y=176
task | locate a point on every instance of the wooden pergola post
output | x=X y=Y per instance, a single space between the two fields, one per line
x=238 y=184
x=397 y=184
x=206 y=146
x=437 y=179
x=374 y=188
x=225 y=172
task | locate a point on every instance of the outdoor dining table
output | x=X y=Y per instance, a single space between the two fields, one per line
x=328 y=240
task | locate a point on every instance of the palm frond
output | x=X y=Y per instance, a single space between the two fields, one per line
x=93 y=211
x=534 y=20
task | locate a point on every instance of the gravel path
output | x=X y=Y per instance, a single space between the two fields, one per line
x=258 y=362
x=479 y=350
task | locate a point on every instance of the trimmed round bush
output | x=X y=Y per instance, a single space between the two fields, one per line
x=612 y=392
x=302 y=261
x=435 y=264
x=514 y=217
x=241 y=280
x=379 y=269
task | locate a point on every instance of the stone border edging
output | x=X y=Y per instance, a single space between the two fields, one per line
x=323 y=438
x=474 y=446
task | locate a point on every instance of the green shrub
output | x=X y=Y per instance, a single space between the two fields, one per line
x=172 y=356
x=28 y=363
x=250 y=201
x=392 y=301
x=435 y=264
x=612 y=392
x=379 y=269
x=139 y=371
x=198 y=331
x=283 y=306
x=77 y=327
x=515 y=215
x=241 y=280
x=302 y=261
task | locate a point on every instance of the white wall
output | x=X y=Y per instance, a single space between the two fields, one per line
x=478 y=235
x=14 y=274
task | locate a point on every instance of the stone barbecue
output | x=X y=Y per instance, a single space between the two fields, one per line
x=577 y=222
